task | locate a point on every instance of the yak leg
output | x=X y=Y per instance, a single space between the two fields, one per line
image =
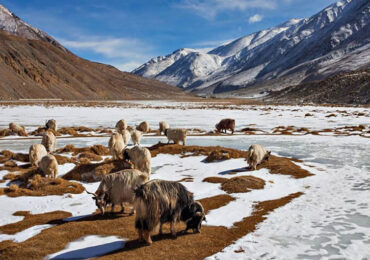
x=173 y=230
x=160 y=229
x=112 y=209
x=122 y=208
x=140 y=233
x=147 y=237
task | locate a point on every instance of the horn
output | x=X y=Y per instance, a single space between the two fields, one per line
x=91 y=193
x=198 y=214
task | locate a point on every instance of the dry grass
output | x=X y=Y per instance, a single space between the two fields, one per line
x=63 y=159
x=215 y=179
x=195 y=150
x=91 y=156
x=242 y=184
x=217 y=156
x=95 y=172
x=31 y=220
x=96 y=149
x=42 y=186
x=187 y=246
x=7 y=155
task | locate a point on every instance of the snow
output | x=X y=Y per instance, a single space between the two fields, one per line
x=88 y=247
x=25 y=234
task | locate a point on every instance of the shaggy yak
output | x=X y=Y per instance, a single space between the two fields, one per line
x=226 y=124
x=159 y=201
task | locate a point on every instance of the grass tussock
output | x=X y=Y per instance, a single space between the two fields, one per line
x=195 y=150
x=42 y=130
x=95 y=172
x=186 y=246
x=95 y=149
x=91 y=156
x=242 y=184
x=215 y=179
x=8 y=155
x=31 y=220
x=63 y=159
x=43 y=186
x=285 y=166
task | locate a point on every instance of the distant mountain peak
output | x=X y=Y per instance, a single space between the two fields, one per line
x=12 y=24
x=333 y=40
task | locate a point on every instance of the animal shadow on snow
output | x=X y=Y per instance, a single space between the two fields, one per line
x=92 y=251
x=96 y=217
x=243 y=169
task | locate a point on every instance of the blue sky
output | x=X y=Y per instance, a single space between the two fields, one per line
x=126 y=33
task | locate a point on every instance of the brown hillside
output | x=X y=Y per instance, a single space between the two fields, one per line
x=38 y=69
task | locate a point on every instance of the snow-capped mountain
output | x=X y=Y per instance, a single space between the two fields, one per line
x=12 y=24
x=333 y=40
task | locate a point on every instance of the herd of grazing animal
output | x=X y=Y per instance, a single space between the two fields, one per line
x=155 y=201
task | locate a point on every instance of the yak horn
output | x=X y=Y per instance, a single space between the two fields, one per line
x=92 y=193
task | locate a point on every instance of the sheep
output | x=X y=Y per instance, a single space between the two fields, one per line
x=136 y=136
x=143 y=127
x=158 y=202
x=176 y=135
x=51 y=124
x=116 y=145
x=256 y=155
x=118 y=188
x=121 y=125
x=163 y=125
x=16 y=128
x=36 y=153
x=49 y=166
x=49 y=141
x=226 y=124
x=140 y=157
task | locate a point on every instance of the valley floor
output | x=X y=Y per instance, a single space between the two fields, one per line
x=322 y=216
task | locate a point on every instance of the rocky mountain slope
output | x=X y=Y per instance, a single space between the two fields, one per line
x=334 y=40
x=34 y=65
x=344 y=88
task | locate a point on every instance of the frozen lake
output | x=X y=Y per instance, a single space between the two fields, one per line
x=330 y=221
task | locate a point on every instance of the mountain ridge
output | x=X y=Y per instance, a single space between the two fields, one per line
x=290 y=53
x=35 y=66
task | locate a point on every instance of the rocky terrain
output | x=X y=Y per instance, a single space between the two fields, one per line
x=35 y=66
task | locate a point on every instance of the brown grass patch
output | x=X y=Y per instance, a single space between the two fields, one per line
x=242 y=184
x=42 y=130
x=217 y=156
x=95 y=172
x=331 y=115
x=215 y=179
x=195 y=150
x=285 y=166
x=187 y=246
x=96 y=149
x=91 y=156
x=32 y=220
x=42 y=186
x=8 y=155
x=63 y=159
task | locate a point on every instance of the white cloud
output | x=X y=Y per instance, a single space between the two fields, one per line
x=255 y=18
x=124 y=53
x=210 y=8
